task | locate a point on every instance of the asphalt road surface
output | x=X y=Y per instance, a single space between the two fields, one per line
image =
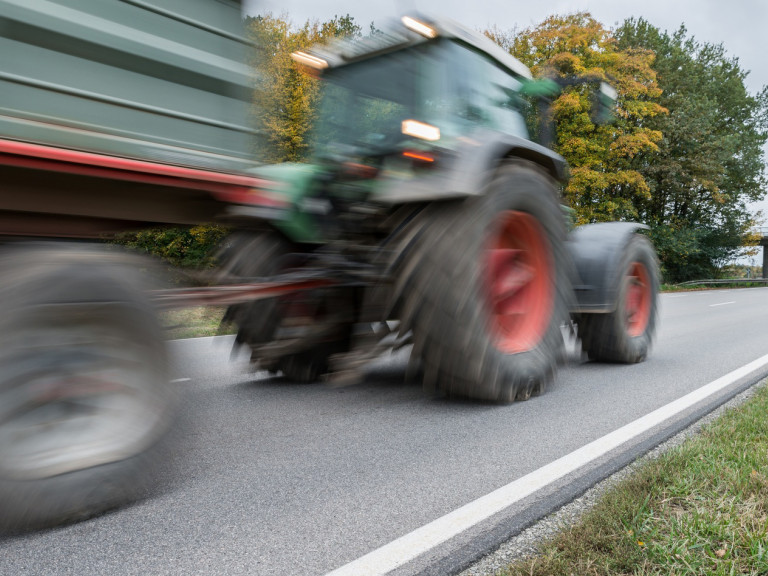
x=272 y=477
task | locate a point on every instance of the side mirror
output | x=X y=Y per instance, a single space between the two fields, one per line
x=604 y=104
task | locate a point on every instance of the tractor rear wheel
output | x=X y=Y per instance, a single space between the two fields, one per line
x=484 y=288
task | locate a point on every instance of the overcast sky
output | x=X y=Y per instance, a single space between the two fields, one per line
x=740 y=25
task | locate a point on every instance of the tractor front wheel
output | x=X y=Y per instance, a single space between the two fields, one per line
x=626 y=334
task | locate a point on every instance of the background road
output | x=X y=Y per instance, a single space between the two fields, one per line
x=278 y=478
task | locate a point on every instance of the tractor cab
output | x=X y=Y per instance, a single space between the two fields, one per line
x=402 y=100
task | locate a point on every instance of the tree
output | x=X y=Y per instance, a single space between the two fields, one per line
x=709 y=164
x=604 y=183
x=285 y=98
x=191 y=247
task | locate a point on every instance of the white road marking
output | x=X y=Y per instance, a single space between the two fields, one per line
x=722 y=303
x=676 y=295
x=177 y=380
x=407 y=547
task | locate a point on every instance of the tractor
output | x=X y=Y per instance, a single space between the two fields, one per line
x=437 y=222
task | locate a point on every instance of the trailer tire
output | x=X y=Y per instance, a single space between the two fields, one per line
x=85 y=402
x=483 y=285
x=626 y=334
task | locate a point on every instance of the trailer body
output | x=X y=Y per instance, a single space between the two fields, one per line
x=120 y=113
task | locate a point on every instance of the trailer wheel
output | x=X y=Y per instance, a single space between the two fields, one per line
x=626 y=334
x=85 y=402
x=257 y=255
x=484 y=287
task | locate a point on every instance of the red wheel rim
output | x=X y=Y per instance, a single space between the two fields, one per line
x=637 y=306
x=519 y=278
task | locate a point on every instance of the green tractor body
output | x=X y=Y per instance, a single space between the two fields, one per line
x=427 y=198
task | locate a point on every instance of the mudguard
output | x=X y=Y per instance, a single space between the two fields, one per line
x=596 y=251
x=467 y=170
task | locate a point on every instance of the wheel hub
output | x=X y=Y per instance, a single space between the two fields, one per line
x=519 y=279
x=637 y=307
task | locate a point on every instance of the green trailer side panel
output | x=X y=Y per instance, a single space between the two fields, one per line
x=158 y=80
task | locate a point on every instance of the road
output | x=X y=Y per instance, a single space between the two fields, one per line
x=279 y=478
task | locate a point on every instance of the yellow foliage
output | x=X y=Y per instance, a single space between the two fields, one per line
x=285 y=98
x=603 y=184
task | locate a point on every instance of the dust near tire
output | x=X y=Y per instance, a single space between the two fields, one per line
x=251 y=255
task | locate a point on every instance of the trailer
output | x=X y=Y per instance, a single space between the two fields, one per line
x=115 y=115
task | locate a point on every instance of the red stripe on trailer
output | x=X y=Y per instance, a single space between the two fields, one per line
x=222 y=190
x=128 y=165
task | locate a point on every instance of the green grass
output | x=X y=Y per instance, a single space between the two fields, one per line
x=700 y=508
x=194 y=322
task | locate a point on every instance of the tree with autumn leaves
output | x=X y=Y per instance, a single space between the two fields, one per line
x=685 y=153
x=285 y=98
x=604 y=184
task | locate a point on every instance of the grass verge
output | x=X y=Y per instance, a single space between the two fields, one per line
x=700 y=508
x=194 y=322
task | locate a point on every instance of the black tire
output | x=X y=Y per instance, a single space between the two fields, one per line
x=621 y=336
x=440 y=292
x=264 y=254
x=85 y=402
x=254 y=255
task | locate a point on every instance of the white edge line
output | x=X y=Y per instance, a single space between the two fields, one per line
x=217 y=338
x=722 y=303
x=177 y=380
x=407 y=547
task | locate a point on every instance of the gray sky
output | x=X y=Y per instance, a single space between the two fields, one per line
x=740 y=25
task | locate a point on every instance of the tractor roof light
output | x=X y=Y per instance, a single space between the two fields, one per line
x=420 y=130
x=419 y=27
x=310 y=60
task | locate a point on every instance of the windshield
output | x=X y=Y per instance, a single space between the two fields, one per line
x=365 y=103
x=441 y=83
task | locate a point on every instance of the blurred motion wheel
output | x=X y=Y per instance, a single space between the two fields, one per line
x=84 y=394
x=258 y=255
x=626 y=334
x=484 y=287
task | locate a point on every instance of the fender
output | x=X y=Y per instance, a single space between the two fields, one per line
x=488 y=147
x=466 y=170
x=596 y=251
